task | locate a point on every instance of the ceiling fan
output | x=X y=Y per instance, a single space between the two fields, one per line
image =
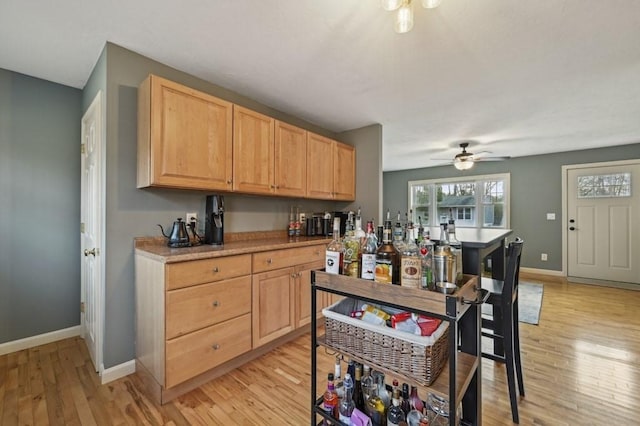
x=465 y=159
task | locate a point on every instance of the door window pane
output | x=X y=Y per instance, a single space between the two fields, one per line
x=600 y=186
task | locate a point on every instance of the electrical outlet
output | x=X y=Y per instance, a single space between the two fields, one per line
x=189 y=217
x=543 y=257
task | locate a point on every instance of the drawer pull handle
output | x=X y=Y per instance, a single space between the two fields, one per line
x=215 y=347
x=269 y=261
x=215 y=303
x=215 y=269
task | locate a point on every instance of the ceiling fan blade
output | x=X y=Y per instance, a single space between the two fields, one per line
x=491 y=158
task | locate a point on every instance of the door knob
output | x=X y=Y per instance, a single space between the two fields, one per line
x=91 y=252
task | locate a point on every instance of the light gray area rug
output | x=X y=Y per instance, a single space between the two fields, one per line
x=529 y=303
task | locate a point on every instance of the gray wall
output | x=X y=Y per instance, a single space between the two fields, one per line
x=39 y=206
x=132 y=212
x=536 y=189
x=368 y=143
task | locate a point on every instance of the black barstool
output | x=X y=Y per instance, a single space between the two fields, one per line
x=503 y=326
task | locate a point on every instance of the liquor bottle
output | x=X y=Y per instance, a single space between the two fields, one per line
x=292 y=223
x=330 y=399
x=334 y=255
x=367 y=382
x=426 y=253
x=387 y=258
x=405 y=403
x=398 y=235
x=360 y=234
x=415 y=399
x=414 y=416
x=395 y=414
x=368 y=256
x=347 y=405
x=351 y=249
x=358 y=394
x=410 y=263
x=376 y=408
x=351 y=368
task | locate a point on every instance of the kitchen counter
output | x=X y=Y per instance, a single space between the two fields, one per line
x=240 y=243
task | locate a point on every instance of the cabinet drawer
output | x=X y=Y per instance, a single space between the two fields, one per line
x=185 y=274
x=202 y=350
x=276 y=259
x=196 y=307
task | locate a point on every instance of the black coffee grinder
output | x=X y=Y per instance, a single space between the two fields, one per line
x=214 y=220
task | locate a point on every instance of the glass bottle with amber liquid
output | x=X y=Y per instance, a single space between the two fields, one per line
x=387 y=257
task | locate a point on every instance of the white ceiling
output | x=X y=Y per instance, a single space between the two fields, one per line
x=516 y=77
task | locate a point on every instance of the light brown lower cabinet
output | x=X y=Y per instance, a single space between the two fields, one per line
x=198 y=319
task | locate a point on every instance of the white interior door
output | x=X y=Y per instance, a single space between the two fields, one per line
x=603 y=214
x=91 y=238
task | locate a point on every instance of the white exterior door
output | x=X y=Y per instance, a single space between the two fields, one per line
x=603 y=222
x=91 y=238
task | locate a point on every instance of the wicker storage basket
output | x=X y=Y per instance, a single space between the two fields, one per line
x=420 y=357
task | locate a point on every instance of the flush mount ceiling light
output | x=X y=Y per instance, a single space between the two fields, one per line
x=404 y=17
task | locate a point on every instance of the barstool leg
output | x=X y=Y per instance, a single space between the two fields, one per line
x=516 y=349
x=510 y=364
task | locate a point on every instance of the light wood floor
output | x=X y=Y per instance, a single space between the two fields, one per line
x=581 y=367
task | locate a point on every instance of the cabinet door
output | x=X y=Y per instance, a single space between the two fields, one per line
x=185 y=137
x=253 y=151
x=290 y=171
x=319 y=167
x=344 y=172
x=272 y=305
x=303 y=293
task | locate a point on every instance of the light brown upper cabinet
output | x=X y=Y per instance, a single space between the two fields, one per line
x=330 y=169
x=184 y=137
x=253 y=151
x=290 y=174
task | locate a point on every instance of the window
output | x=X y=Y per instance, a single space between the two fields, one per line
x=476 y=201
x=601 y=186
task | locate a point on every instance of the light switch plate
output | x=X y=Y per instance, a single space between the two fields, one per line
x=551 y=216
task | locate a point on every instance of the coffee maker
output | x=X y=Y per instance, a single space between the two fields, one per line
x=214 y=220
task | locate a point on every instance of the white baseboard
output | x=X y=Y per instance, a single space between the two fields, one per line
x=41 y=339
x=542 y=271
x=118 y=371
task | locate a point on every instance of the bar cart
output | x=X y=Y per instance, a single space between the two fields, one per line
x=460 y=379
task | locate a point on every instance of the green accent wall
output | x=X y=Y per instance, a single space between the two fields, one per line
x=536 y=189
x=39 y=206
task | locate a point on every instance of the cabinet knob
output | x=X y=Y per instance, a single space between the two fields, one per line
x=229 y=181
x=215 y=303
x=215 y=347
x=269 y=261
x=294 y=275
x=215 y=269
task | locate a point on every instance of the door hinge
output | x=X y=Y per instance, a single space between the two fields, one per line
x=82 y=148
x=82 y=228
x=82 y=307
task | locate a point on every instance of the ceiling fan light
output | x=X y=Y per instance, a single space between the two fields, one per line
x=463 y=163
x=404 y=18
x=430 y=4
x=390 y=5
